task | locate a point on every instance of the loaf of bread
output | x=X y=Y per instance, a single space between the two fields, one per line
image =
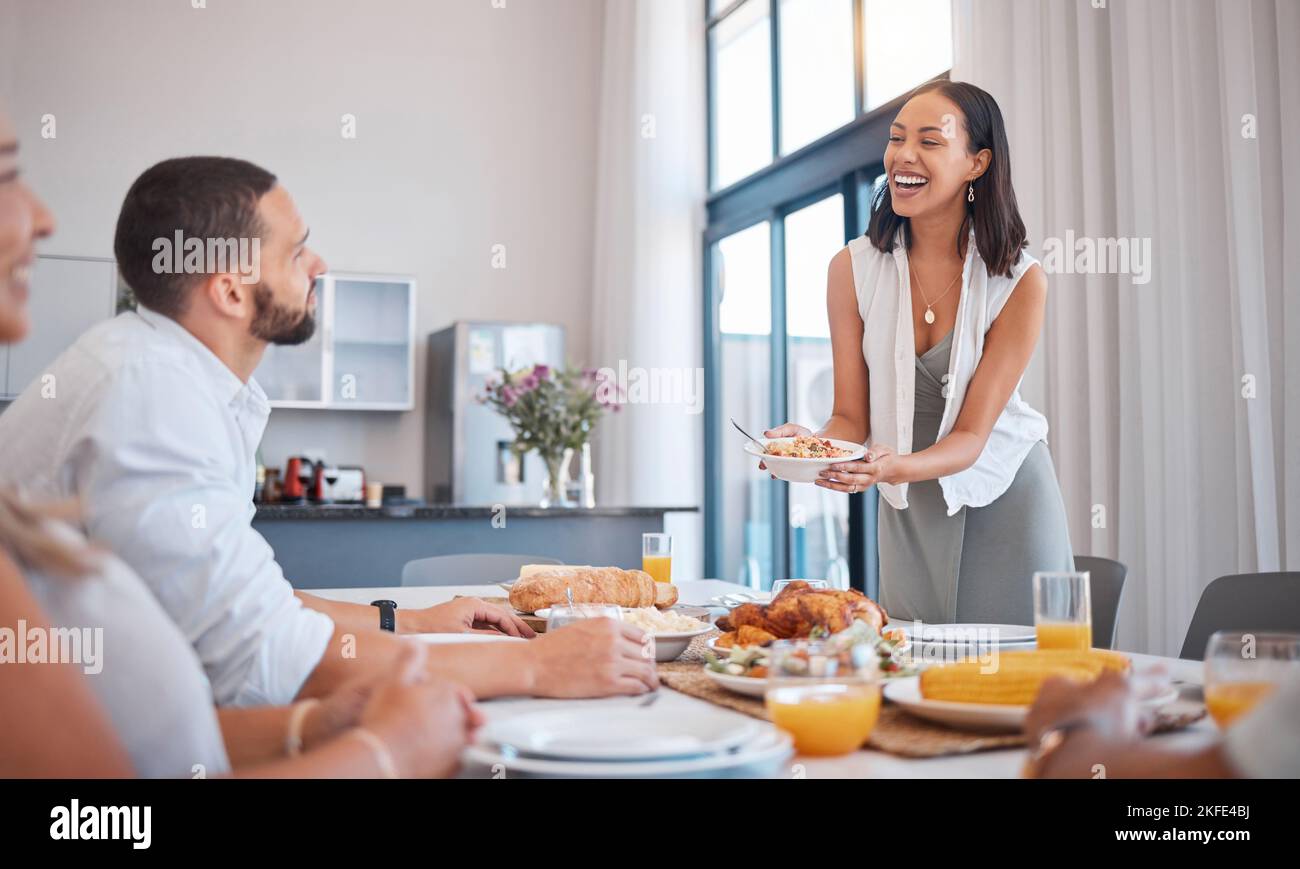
x=612 y=585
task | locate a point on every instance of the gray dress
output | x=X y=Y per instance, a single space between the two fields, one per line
x=978 y=565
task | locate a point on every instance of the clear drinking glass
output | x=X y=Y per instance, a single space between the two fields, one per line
x=813 y=583
x=1242 y=668
x=826 y=697
x=657 y=556
x=564 y=614
x=1063 y=610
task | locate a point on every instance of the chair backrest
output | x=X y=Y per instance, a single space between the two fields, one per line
x=1244 y=602
x=1106 y=587
x=474 y=569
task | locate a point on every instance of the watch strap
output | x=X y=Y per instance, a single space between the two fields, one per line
x=387 y=614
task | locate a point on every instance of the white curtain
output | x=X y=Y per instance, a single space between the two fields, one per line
x=646 y=307
x=1174 y=404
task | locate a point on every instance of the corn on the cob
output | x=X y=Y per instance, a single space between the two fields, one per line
x=1106 y=659
x=1015 y=677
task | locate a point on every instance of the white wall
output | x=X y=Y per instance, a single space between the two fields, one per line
x=475 y=126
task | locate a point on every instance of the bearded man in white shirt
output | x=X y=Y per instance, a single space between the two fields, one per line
x=152 y=421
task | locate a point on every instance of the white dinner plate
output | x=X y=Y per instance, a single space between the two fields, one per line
x=906 y=692
x=750 y=686
x=623 y=735
x=803 y=470
x=967 y=634
x=761 y=757
x=732 y=600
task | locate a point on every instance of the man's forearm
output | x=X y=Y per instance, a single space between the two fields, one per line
x=352 y=654
x=505 y=669
x=363 y=617
x=348 y=616
x=487 y=670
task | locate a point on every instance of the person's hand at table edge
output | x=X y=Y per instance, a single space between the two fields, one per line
x=591 y=658
x=467 y=615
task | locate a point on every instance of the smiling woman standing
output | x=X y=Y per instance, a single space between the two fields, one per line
x=934 y=316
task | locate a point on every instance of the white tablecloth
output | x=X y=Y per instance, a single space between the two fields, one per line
x=860 y=764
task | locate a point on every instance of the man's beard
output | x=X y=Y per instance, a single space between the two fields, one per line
x=277 y=324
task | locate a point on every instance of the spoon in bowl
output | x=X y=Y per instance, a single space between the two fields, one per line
x=762 y=446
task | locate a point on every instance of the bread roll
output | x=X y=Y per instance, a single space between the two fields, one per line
x=629 y=588
x=665 y=595
x=530 y=569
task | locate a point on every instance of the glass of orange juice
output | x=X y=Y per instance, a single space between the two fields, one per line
x=817 y=694
x=657 y=556
x=1063 y=610
x=1243 y=667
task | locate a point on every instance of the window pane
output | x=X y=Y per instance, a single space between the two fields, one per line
x=816 y=69
x=742 y=93
x=819 y=518
x=905 y=44
x=742 y=264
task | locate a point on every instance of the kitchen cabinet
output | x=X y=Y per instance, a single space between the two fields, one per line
x=68 y=295
x=362 y=356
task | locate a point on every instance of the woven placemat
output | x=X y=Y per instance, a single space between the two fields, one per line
x=896 y=732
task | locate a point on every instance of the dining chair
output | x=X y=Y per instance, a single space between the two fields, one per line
x=1244 y=602
x=1106 y=587
x=471 y=569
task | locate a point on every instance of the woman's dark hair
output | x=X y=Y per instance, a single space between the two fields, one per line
x=999 y=231
x=200 y=197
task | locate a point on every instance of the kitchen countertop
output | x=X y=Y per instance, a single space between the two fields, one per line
x=450 y=511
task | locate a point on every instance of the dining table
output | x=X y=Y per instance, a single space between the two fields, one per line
x=864 y=763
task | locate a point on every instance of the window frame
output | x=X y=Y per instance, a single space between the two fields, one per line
x=846 y=161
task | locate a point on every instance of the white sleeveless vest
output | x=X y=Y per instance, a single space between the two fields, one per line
x=888 y=345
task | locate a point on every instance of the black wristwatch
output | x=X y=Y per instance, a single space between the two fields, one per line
x=387 y=614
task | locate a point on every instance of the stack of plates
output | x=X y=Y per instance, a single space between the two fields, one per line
x=628 y=742
x=945 y=644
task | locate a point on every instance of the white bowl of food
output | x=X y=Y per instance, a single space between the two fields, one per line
x=802 y=459
x=672 y=631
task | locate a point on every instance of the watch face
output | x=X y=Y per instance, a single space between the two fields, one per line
x=391 y=603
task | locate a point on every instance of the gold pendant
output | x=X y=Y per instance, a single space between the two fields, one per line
x=929 y=316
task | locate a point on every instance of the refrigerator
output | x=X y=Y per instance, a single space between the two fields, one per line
x=467 y=455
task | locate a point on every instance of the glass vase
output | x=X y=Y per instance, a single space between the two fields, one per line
x=554 y=492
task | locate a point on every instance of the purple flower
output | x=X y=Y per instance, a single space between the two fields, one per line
x=509 y=396
x=541 y=372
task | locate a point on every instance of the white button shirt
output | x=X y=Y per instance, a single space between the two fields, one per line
x=157 y=438
x=883 y=287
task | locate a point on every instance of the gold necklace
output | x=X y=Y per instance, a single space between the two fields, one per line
x=929 y=306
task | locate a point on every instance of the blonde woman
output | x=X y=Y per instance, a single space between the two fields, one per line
x=127 y=695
